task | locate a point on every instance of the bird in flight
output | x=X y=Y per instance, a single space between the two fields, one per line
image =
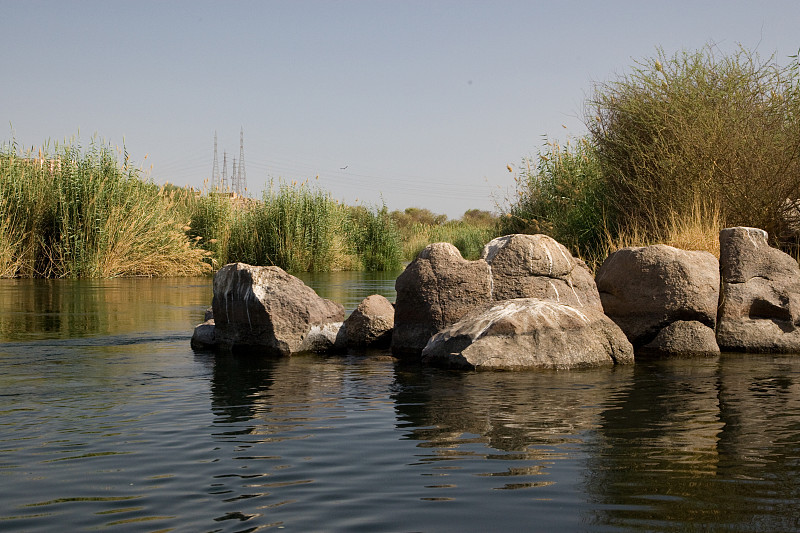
x=344 y=167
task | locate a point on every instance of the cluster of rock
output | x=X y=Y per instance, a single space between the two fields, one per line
x=675 y=302
x=528 y=303
x=267 y=311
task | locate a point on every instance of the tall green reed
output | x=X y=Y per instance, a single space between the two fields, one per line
x=67 y=213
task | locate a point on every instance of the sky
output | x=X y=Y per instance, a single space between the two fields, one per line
x=403 y=103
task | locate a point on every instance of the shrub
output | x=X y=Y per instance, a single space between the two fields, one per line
x=374 y=238
x=701 y=127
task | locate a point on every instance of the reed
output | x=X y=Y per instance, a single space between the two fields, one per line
x=419 y=228
x=297 y=227
x=71 y=214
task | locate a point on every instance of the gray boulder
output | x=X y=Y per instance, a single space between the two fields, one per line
x=266 y=310
x=528 y=333
x=435 y=290
x=439 y=287
x=537 y=266
x=760 y=303
x=204 y=336
x=371 y=323
x=682 y=339
x=646 y=289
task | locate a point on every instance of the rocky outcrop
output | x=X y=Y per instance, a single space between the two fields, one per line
x=760 y=303
x=371 y=323
x=528 y=333
x=439 y=287
x=267 y=311
x=647 y=289
x=537 y=266
x=435 y=290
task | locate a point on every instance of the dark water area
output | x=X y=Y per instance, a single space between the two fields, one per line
x=110 y=422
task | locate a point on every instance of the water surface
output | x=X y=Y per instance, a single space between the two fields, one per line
x=109 y=421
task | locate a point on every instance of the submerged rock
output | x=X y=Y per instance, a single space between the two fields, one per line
x=371 y=323
x=204 y=335
x=267 y=311
x=682 y=339
x=646 y=289
x=760 y=304
x=527 y=333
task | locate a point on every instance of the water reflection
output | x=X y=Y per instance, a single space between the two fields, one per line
x=349 y=288
x=511 y=410
x=104 y=402
x=708 y=442
x=32 y=308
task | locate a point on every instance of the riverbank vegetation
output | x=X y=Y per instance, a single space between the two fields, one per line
x=421 y=227
x=296 y=226
x=677 y=148
x=66 y=212
x=74 y=214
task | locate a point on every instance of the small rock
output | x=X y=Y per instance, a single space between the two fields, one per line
x=682 y=339
x=371 y=323
x=204 y=337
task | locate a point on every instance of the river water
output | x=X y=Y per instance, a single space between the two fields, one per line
x=110 y=422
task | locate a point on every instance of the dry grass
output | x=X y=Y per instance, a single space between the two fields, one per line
x=699 y=230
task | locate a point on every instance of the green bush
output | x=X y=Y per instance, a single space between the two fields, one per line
x=374 y=238
x=722 y=131
x=561 y=193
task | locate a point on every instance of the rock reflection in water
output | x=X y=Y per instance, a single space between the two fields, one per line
x=702 y=442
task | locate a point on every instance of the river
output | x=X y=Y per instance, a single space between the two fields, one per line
x=110 y=422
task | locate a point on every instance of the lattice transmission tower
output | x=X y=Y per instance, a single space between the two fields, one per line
x=216 y=181
x=239 y=173
x=238 y=178
x=224 y=171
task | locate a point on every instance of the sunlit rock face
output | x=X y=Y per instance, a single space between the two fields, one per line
x=371 y=323
x=528 y=333
x=537 y=266
x=266 y=311
x=440 y=287
x=760 y=302
x=435 y=290
x=645 y=290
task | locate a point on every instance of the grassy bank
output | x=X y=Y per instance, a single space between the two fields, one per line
x=297 y=227
x=420 y=227
x=64 y=213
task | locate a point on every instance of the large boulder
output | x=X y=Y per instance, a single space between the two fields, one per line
x=527 y=333
x=760 y=303
x=435 y=290
x=439 y=287
x=537 y=266
x=371 y=323
x=646 y=289
x=265 y=310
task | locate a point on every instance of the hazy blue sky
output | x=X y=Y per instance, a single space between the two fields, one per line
x=424 y=102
